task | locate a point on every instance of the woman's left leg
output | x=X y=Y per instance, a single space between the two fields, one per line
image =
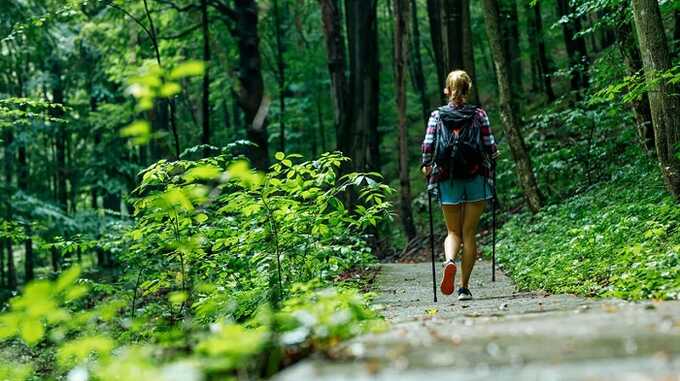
x=472 y=212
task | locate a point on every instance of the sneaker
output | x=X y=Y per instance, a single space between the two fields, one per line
x=464 y=294
x=448 y=281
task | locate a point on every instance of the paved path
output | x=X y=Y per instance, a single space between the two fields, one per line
x=503 y=334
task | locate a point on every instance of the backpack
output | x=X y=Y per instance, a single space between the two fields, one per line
x=459 y=154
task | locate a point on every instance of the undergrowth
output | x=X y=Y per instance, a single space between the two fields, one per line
x=620 y=238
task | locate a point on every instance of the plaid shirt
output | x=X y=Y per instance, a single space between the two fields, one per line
x=427 y=148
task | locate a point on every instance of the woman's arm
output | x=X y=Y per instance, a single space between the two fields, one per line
x=427 y=148
x=488 y=140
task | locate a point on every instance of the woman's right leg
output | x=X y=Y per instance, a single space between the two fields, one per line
x=453 y=215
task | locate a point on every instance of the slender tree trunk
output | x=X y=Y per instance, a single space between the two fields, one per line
x=575 y=46
x=8 y=138
x=510 y=36
x=54 y=255
x=452 y=34
x=545 y=64
x=434 y=13
x=416 y=62
x=281 y=71
x=57 y=112
x=251 y=92
x=28 y=262
x=631 y=57
x=362 y=37
x=205 y=105
x=676 y=27
x=330 y=12
x=469 y=51
x=518 y=149
x=22 y=181
x=96 y=149
x=401 y=10
x=532 y=40
x=663 y=97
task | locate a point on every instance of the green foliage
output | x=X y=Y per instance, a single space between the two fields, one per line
x=621 y=239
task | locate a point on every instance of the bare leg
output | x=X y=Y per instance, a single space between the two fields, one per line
x=471 y=216
x=453 y=215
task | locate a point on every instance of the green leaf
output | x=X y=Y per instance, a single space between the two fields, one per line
x=31 y=331
x=169 y=89
x=139 y=131
x=67 y=278
x=188 y=69
x=279 y=156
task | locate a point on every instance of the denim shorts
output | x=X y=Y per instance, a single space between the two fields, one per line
x=460 y=191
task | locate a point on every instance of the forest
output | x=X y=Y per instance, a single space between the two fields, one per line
x=205 y=189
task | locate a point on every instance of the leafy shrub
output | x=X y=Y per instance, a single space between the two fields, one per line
x=620 y=238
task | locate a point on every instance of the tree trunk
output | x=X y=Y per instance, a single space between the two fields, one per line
x=631 y=57
x=54 y=254
x=97 y=150
x=416 y=62
x=205 y=105
x=518 y=149
x=663 y=99
x=576 y=48
x=401 y=10
x=434 y=13
x=22 y=181
x=532 y=40
x=452 y=34
x=28 y=262
x=330 y=12
x=362 y=37
x=469 y=52
x=676 y=27
x=8 y=138
x=251 y=92
x=510 y=36
x=545 y=64
x=57 y=112
x=281 y=72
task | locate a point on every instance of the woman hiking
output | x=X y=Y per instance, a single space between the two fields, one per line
x=458 y=154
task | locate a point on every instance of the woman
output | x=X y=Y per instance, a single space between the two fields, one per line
x=463 y=192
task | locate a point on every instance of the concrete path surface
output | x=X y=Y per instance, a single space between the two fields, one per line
x=502 y=334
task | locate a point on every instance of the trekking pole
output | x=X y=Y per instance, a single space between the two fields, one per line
x=434 y=281
x=493 y=225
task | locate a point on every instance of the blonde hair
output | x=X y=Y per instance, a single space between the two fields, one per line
x=458 y=86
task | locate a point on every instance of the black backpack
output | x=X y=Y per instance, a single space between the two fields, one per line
x=458 y=154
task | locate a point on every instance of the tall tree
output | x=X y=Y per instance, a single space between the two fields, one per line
x=534 y=61
x=8 y=140
x=575 y=46
x=280 y=18
x=452 y=34
x=631 y=57
x=450 y=31
x=401 y=10
x=663 y=99
x=416 y=62
x=362 y=44
x=509 y=115
x=61 y=135
x=205 y=102
x=469 y=51
x=335 y=49
x=510 y=36
x=251 y=93
x=545 y=64
x=434 y=13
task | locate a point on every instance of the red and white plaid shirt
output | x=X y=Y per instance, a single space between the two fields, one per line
x=427 y=148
